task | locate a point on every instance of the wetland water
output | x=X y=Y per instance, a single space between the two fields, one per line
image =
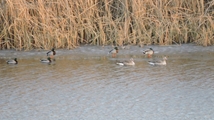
x=86 y=84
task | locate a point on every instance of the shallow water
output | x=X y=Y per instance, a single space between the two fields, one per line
x=86 y=84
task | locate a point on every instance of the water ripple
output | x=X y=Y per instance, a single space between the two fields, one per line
x=90 y=86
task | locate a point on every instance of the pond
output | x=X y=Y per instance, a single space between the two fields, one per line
x=86 y=84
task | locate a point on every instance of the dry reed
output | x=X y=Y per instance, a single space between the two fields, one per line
x=29 y=24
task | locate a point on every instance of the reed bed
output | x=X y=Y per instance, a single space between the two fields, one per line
x=35 y=24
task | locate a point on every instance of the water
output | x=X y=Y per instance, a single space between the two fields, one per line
x=86 y=84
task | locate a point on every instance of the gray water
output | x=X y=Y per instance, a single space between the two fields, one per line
x=86 y=84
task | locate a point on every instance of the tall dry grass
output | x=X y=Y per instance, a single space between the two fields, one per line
x=29 y=24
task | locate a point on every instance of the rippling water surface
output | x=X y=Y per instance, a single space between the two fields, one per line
x=86 y=84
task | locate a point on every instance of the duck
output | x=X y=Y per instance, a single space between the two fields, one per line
x=51 y=53
x=149 y=52
x=14 y=61
x=159 y=62
x=130 y=62
x=114 y=51
x=48 y=60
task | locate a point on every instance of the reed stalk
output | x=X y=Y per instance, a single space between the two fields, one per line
x=44 y=24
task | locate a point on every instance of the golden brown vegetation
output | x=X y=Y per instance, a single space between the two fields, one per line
x=29 y=24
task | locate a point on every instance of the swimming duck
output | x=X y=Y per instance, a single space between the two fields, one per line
x=14 y=61
x=149 y=52
x=51 y=53
x=130 y=62
x=48 y=60
x=160 y=62
x=114 y=52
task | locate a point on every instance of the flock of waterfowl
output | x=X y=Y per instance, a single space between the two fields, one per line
x=50 y=55
x=149 y=52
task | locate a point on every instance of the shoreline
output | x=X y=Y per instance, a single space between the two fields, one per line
x=96 y=51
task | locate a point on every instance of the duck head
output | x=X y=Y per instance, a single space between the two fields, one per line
x=49 y=59
x=131 y=59
x=164 y=58
x=15 y=59
x=54 y=52
x=116 y=48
